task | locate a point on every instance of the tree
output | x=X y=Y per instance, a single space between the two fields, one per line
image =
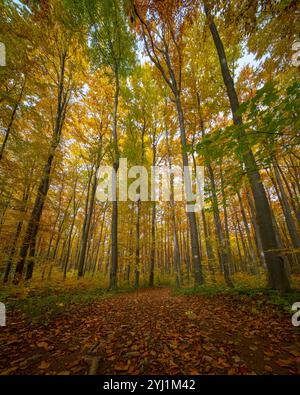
x=277 y=275
x=62 y=69
x=160 y=26
x=111 y=46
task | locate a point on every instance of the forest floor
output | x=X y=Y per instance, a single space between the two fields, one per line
x=155 y=332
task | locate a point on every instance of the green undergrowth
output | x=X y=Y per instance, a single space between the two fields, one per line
x=39 y=305
x=283 y=301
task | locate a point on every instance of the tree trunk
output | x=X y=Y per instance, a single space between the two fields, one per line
x=87 y=224
x=153 y=220
x=114 y=221
x=33 y=224
x=172 y=206
x=287 y=214
x=23 y=210
x=250 y=244
x=196 y=261
x=224 y=258
x=63 y=97
x=137 y=246
x=153 y=245
x=227 y=238
x=209 y=250
x=256 y=229
x=278 y=278
x=11 y=121
x=293 y=198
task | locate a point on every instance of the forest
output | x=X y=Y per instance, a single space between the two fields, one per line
x=94 y=285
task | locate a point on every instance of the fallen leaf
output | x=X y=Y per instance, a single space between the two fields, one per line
x=44 y=365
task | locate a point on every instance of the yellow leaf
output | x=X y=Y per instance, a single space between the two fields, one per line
x=44 y=365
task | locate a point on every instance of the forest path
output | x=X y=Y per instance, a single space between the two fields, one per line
x=152 y=331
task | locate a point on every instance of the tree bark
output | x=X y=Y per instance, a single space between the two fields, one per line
x=63 y=97
x=248 y=234
x=114 y=221
x=287 y=214
x=278 y=278
x=196 y=261
x=11 y=121
x=224 y=258
x=87 y=223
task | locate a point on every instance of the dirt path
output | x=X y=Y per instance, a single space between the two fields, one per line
x=154 y=332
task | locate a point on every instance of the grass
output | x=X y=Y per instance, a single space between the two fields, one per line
x=40 y=303
x=283 y=301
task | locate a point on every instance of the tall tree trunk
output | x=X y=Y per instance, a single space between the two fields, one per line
x=227 y=236
x=138 y=219
x=33 y=224
x=177 y=257
x=248 y=234
x=287 y=214
x=196 y=260
x=241 y=261
x=256 y=230
x=69 y=242
x=246 y=255
x=23 y=210
x=153 y=245
x=293 y=198
x=278 y=278
x=11 y=121
x=137 y=245
x=224 y=258
x=114 y=221
x=63 y=97
x=87 y=223
x=209 y=250
x=153 y=219
x=100 y=237
x=175 y=87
